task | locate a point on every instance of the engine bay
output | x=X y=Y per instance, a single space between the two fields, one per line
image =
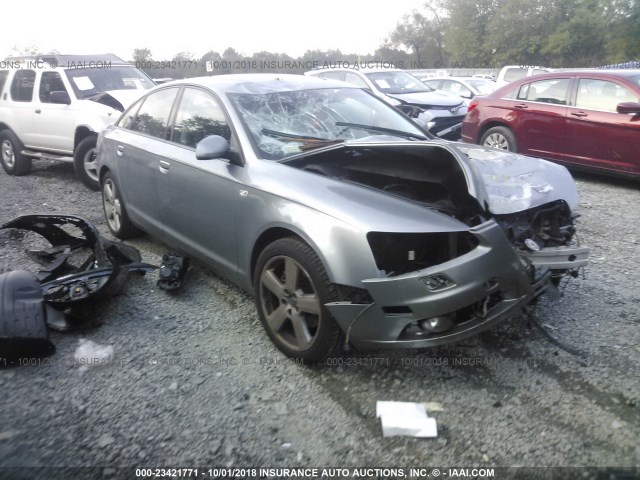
x=430 y=176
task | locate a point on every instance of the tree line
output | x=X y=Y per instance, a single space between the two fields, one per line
x=456 y=34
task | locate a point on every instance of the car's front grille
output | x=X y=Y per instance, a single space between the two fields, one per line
x=442 y=123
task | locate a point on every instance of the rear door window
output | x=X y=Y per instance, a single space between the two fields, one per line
x=553 y=91
x=22 y=85
x=3 y=78
x=153 y=116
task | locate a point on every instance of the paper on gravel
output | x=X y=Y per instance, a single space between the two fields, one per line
x=406 y=419
x=90 y=353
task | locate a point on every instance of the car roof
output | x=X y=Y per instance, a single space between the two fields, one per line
x=356 y=70
x=261 y=83
x=589 y=71
x=460 y=79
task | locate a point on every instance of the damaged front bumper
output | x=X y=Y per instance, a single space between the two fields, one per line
x=454 y=300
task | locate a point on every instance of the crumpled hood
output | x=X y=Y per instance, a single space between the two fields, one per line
x=436 y=99
x=511 y=183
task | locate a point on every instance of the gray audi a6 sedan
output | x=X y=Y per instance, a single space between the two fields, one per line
x=348 y=222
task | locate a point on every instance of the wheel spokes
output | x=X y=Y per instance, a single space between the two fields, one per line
x=272 y=283
x=277 y=318
x=7 y=153
x=290 y=304
x=113 y=208
x=291 y=272
x=309 y=303
x=90 y=165
x=301 y=331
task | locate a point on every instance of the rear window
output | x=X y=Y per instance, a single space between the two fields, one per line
x=515 y=74
x=333 y=75
x=553 y=91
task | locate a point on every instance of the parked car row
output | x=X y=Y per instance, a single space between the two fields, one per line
x=465 y=87
x=349 y=222
x=583 y=119
x=439 y=112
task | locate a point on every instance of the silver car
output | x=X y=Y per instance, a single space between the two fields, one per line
x=349 y=223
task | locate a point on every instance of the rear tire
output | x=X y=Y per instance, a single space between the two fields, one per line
x=84 y=162
x=115 y=211
x=11 y=157
x=291 y=290
x=501 y=138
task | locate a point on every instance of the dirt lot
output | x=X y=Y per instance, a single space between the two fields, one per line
x=196 y=382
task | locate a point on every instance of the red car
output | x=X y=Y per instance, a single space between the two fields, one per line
x=584 y=119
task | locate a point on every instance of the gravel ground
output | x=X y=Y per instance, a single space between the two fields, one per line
x=195 y=380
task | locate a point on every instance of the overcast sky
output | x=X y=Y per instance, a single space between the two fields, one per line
x=166 y=28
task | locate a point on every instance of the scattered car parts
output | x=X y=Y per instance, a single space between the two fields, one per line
x=78 y=270
x=22 y=316
x=173 y=271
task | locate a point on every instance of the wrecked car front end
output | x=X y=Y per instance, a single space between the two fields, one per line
x=511 y=236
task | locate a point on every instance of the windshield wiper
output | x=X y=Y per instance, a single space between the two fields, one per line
x=390 y=131
x=308 y=142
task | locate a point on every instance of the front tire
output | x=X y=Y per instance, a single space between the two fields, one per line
x=291 y=288
x=501 y=138
x=84 y=162
x=11 y=157
x=115 y=211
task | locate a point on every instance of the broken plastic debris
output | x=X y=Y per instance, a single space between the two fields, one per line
x=90 y=354
x=405 y=418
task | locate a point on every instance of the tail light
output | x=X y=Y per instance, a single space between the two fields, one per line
x=472 y=105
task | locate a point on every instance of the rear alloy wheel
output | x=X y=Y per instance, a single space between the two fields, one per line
x=84 y=163
x=292 y=287
x=11 y=157
x=501 y=138
x=115 y=211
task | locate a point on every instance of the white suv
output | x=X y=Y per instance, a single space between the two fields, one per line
x=53 y=106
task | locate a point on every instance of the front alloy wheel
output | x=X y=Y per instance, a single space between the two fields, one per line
x=84 y=162
x=8 y=157
x=291 y=290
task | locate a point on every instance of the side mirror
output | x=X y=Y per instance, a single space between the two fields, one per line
x=59 y=96
x=213 y=146
x=629 y=108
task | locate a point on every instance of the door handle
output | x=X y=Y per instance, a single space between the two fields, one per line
x=120 y=150
x=578 y=114
x=522 y=106
x=164 y=166
x=38 y=111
